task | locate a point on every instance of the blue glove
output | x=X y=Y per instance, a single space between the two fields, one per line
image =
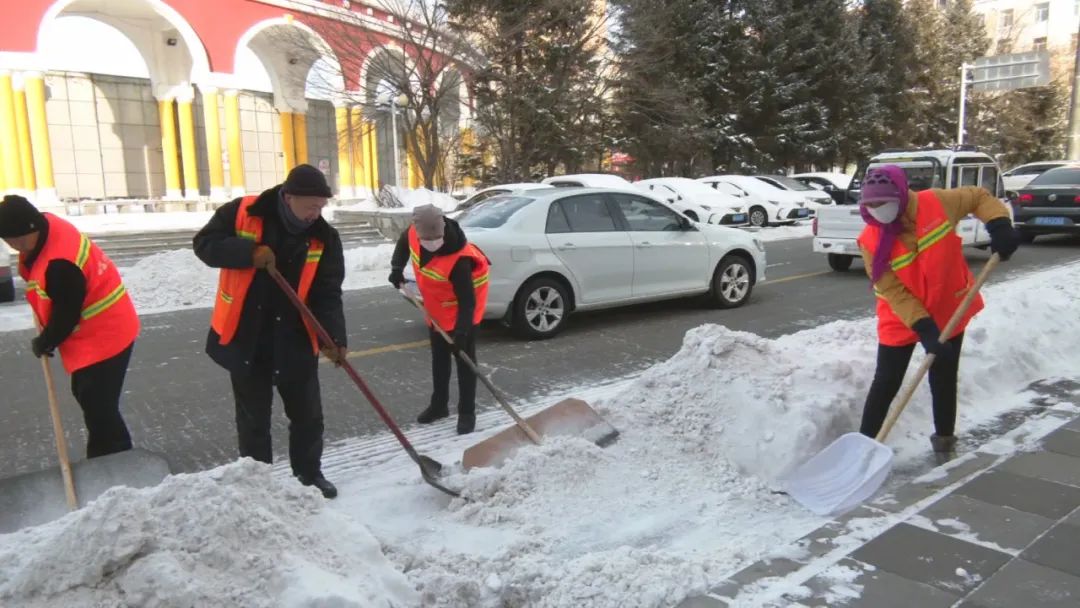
x=930 y=337
x=1003 y=237
x=40 y=348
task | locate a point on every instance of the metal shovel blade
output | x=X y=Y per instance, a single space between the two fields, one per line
x=430 y=470
x=35 y=498
x=842 y=475
x=567 y=417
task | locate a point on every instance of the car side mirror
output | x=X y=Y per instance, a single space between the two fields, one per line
x=685 y=224
x=830 y=188
x=1012 y=195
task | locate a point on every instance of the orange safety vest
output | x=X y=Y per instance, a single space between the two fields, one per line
x=433 y=279
x=108 y=322
x=935 y=273
x=233 y=284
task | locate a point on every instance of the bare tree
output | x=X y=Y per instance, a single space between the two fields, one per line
x=410 y=65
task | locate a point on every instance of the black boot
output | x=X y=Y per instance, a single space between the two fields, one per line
x=944 y=447
x=433 y=413
x=466 y=423
x=328 y=489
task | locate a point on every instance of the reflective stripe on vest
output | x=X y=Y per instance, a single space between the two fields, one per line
x=234 y=284
x=935 y=273
x=433 y=279
x=108 y=323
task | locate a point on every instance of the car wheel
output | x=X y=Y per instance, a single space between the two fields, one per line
x=692 y=215
x=540 y=309
x=759 y=218
x=840 y=263
x=732 y=282
x=7 y=290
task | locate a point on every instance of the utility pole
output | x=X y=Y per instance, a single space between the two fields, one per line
x=964 y=67
x=1074 y=113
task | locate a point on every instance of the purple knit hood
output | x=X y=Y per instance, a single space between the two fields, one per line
x=884 y=183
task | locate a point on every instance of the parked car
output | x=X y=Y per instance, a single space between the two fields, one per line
x=837 y=228
x=1018 y=177
x=7 y=282
x=487 y=193
x=588 y=180
x=697 y=201
x=1049 y=204
x=766 y=204
x=814 y=197
x=555 y=252
x=833 y=184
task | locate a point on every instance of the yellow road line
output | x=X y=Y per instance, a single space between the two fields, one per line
x=797 y=277
x=393 y=348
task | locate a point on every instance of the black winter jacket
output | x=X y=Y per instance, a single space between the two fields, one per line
x=460 y=276
x=271 y=330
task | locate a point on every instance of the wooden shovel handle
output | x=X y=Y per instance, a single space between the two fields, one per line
x=58 y=431
x=905 y=397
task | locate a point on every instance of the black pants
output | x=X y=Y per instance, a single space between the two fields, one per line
x=441 y=354
x=97 y=389
x=892 y=364
x=254 y=394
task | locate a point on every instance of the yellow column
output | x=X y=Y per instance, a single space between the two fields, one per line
x=288 y=141
x=468 y=147
x=212 y=126
x=344 y=150
x=39 y=137
x=9 y=139
x=236 y=148
x=26 y=150
x=169 y=150
x=359 y=164
x=300 y=136
x=372 y=156
x=187 y=148
x=413 y=169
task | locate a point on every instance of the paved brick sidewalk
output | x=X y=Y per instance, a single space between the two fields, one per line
x=990 y=530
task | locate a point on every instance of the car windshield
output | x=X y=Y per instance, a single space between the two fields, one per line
x=790 y=183
x=493 y=212
x=920 y=176
x=1058 y=177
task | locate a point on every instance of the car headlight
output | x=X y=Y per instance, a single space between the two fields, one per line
x=705 y=207
x=760 y=245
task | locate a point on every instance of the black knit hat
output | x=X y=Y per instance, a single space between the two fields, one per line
x=19 y=217
x=305 y=180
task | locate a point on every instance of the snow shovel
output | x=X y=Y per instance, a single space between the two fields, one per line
x=33 y=498
x=852 y=468
x=429 y=467
x=567 y=417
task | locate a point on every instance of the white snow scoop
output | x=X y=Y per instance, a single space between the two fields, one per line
x=852 y=468
x=35 y=498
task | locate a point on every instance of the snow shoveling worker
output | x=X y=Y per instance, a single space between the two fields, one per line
x=255 y=331
x=452 y=275
x=916 y=263
x=83 y=311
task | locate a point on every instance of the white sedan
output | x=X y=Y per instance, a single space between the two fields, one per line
x=697 y=201
x=492 y=191
x=766 y=204
x=557 y=251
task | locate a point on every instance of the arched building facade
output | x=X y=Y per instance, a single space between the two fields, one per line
x=193 y=99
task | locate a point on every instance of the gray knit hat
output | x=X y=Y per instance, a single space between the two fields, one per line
x=429 y=222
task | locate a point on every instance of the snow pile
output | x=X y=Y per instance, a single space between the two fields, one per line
x=393 y=196
x=229 y=536
x=139 y=221
x=784 y=233
x=767 y=405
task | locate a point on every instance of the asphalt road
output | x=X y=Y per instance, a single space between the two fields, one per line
x=179 y=403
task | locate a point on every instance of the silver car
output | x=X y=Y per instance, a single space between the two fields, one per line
x=554 y=252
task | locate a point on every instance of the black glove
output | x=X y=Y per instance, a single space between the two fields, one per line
x=1003 y=237
x=40 y=348
x=397 y=278
x=930 y=336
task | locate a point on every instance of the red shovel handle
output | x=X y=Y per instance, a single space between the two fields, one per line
x=326 y=340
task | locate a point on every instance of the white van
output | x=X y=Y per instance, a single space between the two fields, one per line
x=837 y=228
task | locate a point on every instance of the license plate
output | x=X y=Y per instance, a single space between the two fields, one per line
x=802 y=213
x=1049 y=221
x=738 y=218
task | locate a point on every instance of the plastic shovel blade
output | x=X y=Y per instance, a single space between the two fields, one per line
x=841 y=476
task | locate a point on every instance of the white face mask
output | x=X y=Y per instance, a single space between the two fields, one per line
x=886 y=214
x=432 y=246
